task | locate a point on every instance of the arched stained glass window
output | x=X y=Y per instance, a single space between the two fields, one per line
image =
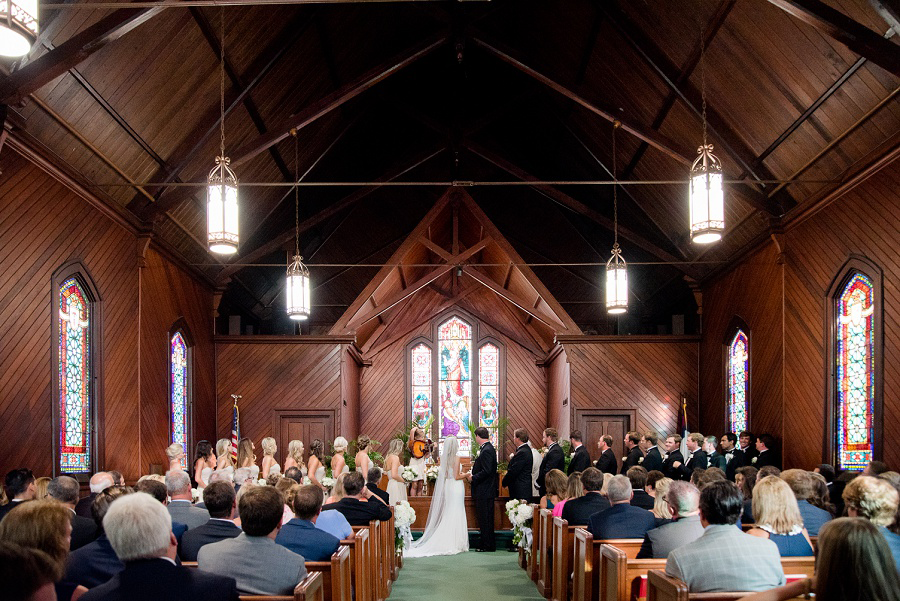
x=855 y=373
x=455 y=382
x=74 y=372
x=489 y=389
x=421 y=384
x=738 y=382
x=179 y=391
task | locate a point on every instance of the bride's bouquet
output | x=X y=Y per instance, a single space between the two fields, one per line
x=404 y=516
x=520 y=516
x=409 y=474
x=431 y=473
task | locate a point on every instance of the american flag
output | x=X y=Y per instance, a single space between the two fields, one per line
x=235 y=428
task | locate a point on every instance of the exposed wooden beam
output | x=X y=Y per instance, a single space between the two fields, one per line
x=855 y=36
x=435 y=249
x=525 y=305
x=46 y=68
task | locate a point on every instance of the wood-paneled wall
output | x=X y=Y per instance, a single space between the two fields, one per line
x=559 y=394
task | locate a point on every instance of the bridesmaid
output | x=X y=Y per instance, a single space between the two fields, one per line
x=224 y=460
x=338 y=463
x=362 y=457
x=295 y=457
x=396 y=486
x=247 y=457
x=175 y=453
x=316 y=469
x=269 y=464
x=204 y=463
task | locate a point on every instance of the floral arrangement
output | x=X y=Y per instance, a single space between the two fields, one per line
x=520 y=516
x=306 y=480
x=404 y=516
x=328 y=482
x=196 y=493
x=431 y=473
x=261 y=482
x=409 y=474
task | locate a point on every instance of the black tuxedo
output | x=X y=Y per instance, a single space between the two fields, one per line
x=765 y=458
x=642 y=499
x=737 y=461
x=518 y=474
x=668 y=470
x=159 y=580
x=484 y=491
x=653 y=460
x=749 y=453
x=698 y=460
x=581 y=460
x=83 y=506
x=553 y=460
x=607 y=463
x=211 y=532
x=578 y=511
x=84 y=531
x=373 y=488
x=633 y=459
x=360 y=513
x=4 y=509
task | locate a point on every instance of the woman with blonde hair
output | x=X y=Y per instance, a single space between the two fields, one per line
x=396 y=486
x=606 y=479
x=225 y=462
x=295 y=457
x=269 y=465
x=362 y=455
x=574 y=489
x=288 y=488
x=778 y=518
x=338 y=463
x=660 y=504
x=316 y=471
x=175 y=453
x=556 y=483
x=40 y=488
x=337 y=491
x=247 y=457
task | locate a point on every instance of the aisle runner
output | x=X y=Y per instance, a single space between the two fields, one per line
x=465 y=576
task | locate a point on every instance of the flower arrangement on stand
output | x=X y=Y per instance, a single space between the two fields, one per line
x=520 y=516
x=404 y=516
x=431 y=475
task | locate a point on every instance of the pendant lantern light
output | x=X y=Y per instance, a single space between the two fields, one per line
x=18 y=26
x=222 y=183
x=298 y=284
x=707 y=197
x=616 y=270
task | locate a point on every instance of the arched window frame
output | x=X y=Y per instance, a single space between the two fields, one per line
x=737 y=325
x=856 y=264
x=181 y=327
x=95 y=366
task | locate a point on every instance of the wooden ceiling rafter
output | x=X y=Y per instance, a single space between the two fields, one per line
x=530 y=308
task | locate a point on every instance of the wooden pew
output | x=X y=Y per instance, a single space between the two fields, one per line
x=587 y=582
x=310 y=588
x=545 y=524
x=665 y=588
x=336 y=574
x=361 y=563
x=533 y=559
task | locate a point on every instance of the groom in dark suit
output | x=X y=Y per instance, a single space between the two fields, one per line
x=518 y=474
x=484 y=488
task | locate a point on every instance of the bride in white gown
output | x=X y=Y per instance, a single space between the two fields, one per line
x=446 y=532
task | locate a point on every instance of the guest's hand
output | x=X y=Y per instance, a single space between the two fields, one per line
x=676 y=464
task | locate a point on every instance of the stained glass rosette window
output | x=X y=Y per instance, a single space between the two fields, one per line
x=455 y=383
x=856 y=373
x=489 y=389
x=420 y=357
x=179 y=394
x=738 y=378
x=74 y=379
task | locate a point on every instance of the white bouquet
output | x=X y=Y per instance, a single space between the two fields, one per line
x=520 y=516
x=409 y=474
x=404 y=516
x=431 y=473
x=196 y=493
x=510 y=506
x=306 y=480
x=327 y=482
x=261 y=482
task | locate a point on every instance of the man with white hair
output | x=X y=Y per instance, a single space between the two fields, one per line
x=622 y=520
x=140 y=531
x=64 y=489
x=99 y=482
x=181 y=506
x=683 y=500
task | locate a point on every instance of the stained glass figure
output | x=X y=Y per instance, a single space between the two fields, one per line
x=489 y=389
x=420 y=357
x=178 y=366
x=455 y=382
x=855 y=358
x=74 y=378
x=738 y=380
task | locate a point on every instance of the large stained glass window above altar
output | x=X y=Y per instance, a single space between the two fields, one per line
x=455 y=382
x=738 y=382
x=74 y=369
x=855 y=369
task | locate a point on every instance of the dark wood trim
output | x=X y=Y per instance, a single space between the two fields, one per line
x=731 y=331
x=328 y=339
x=603 y=339
x=854 y=264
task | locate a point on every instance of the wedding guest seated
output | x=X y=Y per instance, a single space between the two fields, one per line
x=745 y=480
x=622 y=520
x=803 y=485
x=683 y=500
x=767 y=470
x=27 y=574
x=372 y=481
x=555 y=482
x=661 y=510
x=253 y=559
x=157 y=490
x=578 y=511
x=337 y=491
x=724 y=558
x=359 y=505
x=98 y=483
x=853 y=562
x=821 y=496
x=875 y=500
x=300 y=535
x=64 y=490
x=574 y=490
x=606 y=478
x=40 y=488
x=294 y=474
x=778 y=518
x=653 y=476
x=638 y=477
x=19 y=486
x=140 y=531
x=334 y=523
x=97 y=562
x=45 y=526
x=181 y=506
x=875 y=468
x=220 y=501
x=241 y=476
x=288 y=488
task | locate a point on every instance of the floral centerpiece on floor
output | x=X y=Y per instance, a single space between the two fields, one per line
x=404 y=516
x=520 y=516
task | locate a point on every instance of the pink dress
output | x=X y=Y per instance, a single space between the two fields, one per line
x=557 y=509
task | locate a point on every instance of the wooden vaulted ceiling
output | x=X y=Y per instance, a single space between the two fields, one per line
x=802 y=95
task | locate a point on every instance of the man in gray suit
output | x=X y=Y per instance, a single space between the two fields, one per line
x=260 y=566
x=725 y=559
x=181 y=503
x=683 y=500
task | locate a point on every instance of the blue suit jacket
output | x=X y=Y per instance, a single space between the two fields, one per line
x=813 y=517
x=93 y=564
x=621 y=521
x=302 y=536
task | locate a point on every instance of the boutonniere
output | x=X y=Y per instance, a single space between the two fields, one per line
x=754 y=460
x=572 y=455
x=641 y=460
x=624 y=458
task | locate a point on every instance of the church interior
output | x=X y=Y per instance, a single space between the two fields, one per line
x=455 y=176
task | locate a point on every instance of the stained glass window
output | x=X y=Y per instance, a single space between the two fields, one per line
x=855 y=359
x=455 y=382
x=178 y=391
x=738 y=379
x=74 y=371
x=421 y=384
x=489 y=389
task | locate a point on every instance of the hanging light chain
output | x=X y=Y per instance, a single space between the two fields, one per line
x=702 y=74
x=616 y=125
x=296 y=194
x=222 y=82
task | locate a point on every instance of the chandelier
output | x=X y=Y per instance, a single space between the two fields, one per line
x=616 y=270
x=298 y=284
x=18 y=26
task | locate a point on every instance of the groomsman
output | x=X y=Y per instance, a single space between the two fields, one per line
x=766 y=455
x=554 y=459
x=581 y=459
x=652 y=458
x=696 y=459
x=606 y=463
x=734 y=457
x=672 y=456
x=484 y=488
x=632 y=445
x=518 y=474
x=748 y=446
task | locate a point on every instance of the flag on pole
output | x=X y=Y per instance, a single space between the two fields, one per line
x=235 y=428
x=683 y=426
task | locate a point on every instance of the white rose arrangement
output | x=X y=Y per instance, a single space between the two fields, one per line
x=520 y=516
x=261 y=482
x=404 y=516
x=306 y=480
x=327 y=482
x=409 y=474
x=196 y=493
x=753 y=460
x=431 y=473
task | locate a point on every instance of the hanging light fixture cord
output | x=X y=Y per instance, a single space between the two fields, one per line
x=296 y=195
x=702 y=75
x=616 y=125
x=222 y=83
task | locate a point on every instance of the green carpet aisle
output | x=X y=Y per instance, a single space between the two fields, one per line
x=465 y=576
